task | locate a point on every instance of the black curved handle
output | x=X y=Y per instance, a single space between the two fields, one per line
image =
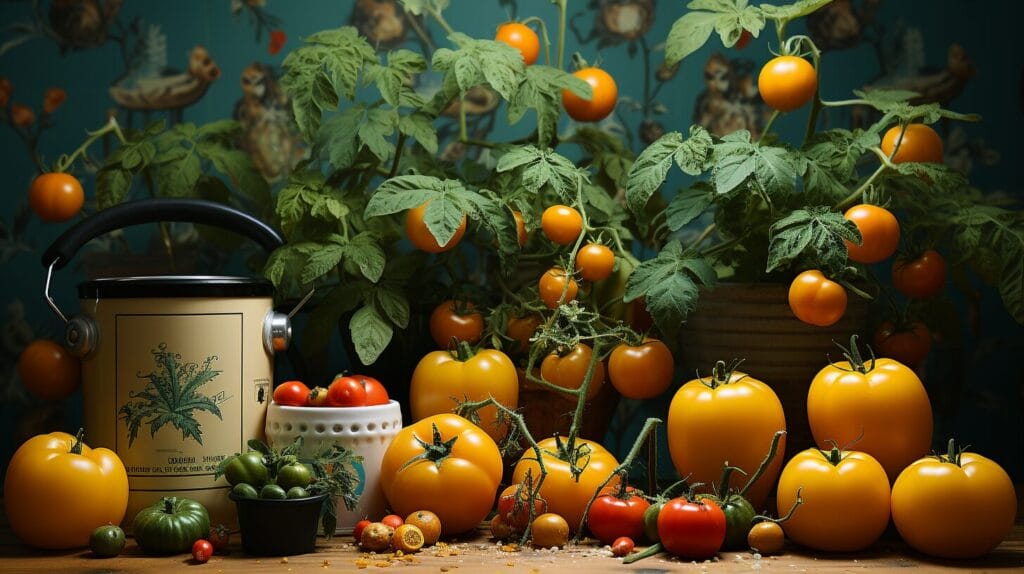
x=142 y=211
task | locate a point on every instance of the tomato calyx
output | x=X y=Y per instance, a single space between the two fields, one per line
x=435 y=451
x=721 y=374
x=76 y=448
x=833 y=456
x=853 y=356
x=952 y=454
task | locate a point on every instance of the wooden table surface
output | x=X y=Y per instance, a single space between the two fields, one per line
x=476 y=553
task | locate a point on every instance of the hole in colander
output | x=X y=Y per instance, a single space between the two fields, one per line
x=288 y=427
x=371 y=427
x=384 y=425
x=355 y=428
x=337 y=428
x=320 y=428
x=275 y=425
x=303 y=428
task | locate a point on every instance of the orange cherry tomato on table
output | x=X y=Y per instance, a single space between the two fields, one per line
x=909 y=345
x=549 y=531
x=766 y=537
x=955 y=505
x=56 y=196
x=920 y=277
x=845 y=498
x=421 y=237
x=920 y=143
x=605 y=94
x=553 y=283
x=346 y=392
x=787 y=83
x=879 y=405
x=816 y=300
x=292 y=394
x=455 y=320
x=561 y=224
x=522 y=38
x=879 y=231
x=569 y=370
x=595 y=262
x=521 y=329
x=48 y=370
x=428 y=523
x=643 y=371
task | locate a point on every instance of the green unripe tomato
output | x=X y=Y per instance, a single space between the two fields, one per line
x=297 y=492
x=247 y=468
x=106 y=541
x=245 y=490
x=295 y=474
x=651 y=522
x=273 y=491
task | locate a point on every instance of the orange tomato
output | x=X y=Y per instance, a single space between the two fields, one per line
x=520 y=227
x=816 y=300
x=595 y=262
x=561 y=224
x=787 y=83
x=920 y=143
x=421 y=237
x=520 y=330
x=605 y=94
x=643 y=371
x=48 y=370
x=879 y=231
x=456 y=321
x=522 y=38
x=56 y=197
x=552 y=285
x=569 y=370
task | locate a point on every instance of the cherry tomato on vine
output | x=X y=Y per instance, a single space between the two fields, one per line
x=921 y=277
x=56 y=196
x=520 y=329
x=920 y=143
x=551 y=285
x=643 y=371
x=569 y=370
x=48 y=370
x=291 y=393
x=604 y=97
x=522 y=38
x=766 y=537
x=561 y=224
x=787 y=83
x=420 y=236
x=816 y=300
x=458 y=321
x=909 y=345
x=595 y=262
x=520 y=227
x=879 y=231
x=346 y=392
x=517 y=512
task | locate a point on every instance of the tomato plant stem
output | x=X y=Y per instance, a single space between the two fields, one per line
x=543 y=35
x=771 y=120
x=64 y=162
x=398 y=155
x=772 y=450
x=562 y=10
x=439 y=19
x=651 y=550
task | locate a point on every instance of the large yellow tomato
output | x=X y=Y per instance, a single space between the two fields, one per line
x=845 y=499
x=957 y=505
x=565 y=495
x=58 y=490
x=444 y=464
x=880 y=406
x=443 y=377
x=726 y=418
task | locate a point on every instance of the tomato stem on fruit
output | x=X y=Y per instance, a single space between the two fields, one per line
x=543 y=35
x=435 y=451
x=76 y=447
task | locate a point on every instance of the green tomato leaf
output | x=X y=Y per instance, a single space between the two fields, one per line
x=178 y=178
x=792 y=11
x=737 y=158
x=365 y=252
x=370 y=332
x=482 y=62
x=650 y=170
x=420 y=126
x=688 y=34
x=1011 y=286
x=393 y=302
x=670 y=284
x=323 y=259
x=541 y=90
x=112 y=185
x=817 y=234
x=394 y=80
x=688 y=204
x=537 y=168
x=421 y=7
x=375 y=129
x=405 y=192
x=339 y=136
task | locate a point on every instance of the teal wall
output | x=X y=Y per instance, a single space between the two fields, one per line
x=974 y=375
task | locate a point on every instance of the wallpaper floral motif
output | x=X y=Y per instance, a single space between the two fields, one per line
x=67 y=66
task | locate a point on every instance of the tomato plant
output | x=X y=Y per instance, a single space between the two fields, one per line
x=954 y=505
x=611 y=517
x=880 y=405
x=909 y=344
x=787 y=83
x=346 y=392
x=452 y=322
x=291 y=393
x=48 y=370
x=420 y=236
x=595 y=262
x=919 y=143
x=845 y=498
x=522 y=38
x=444 y=464
x=552 y=287
x=605 y=94
x=920 y=277
x=693 y=530
x=561 y=224
x=549 y=531
x=879 y=231
x=56 y=197
x=441 y=375
x=641 y=371
x=568 y=369
x=817 y=300
x=727 y=418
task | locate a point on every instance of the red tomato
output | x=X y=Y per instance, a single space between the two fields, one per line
x=220 y=537
x=816 y=300
x=278 y=38
x=909 y=345
x=919 y=143
x=595 y=262
x=561 y=224
x=291 y=393
x=458 y=321
x=514 y=508
x=920 y=278
x=202 y=550
x=879 y=230
x=48 y=370
x=357 y=530
x=643 y=371
x=622 y=546
x=376 y=394
x=605 y=94
x=745 y=38
x=522 y=38
x=691 y=530
x=611 y=517
x=393 y=520
x=520 y=330
x=787 y=83
x=56 y=196
x=346 y=392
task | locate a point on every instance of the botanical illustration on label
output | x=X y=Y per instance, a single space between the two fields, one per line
x=172 y=396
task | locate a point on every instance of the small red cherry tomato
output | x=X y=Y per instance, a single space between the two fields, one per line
x=202 y=550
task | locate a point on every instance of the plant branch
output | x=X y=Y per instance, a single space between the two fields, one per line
x=439 y=19
x=562 y=9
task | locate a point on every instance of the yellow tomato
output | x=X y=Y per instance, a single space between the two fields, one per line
x=566 y=496
x=959 y=505
x=444 y=464
x=879 y=406
x=58 y=490
x=845 y=500
x=442 y=377
x=726 y=418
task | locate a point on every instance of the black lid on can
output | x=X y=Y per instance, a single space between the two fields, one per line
x=174 y=286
